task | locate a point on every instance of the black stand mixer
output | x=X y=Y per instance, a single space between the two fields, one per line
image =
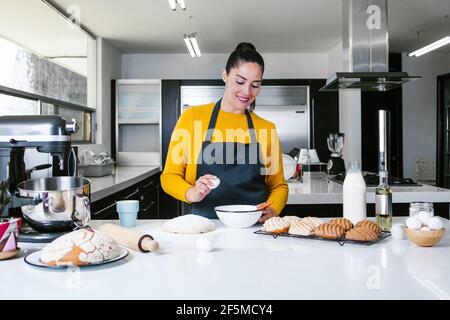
x=47 y=134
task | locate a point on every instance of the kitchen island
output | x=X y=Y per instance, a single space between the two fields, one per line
x=243 y=265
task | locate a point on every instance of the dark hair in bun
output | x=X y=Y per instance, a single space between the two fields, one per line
x=244 y=52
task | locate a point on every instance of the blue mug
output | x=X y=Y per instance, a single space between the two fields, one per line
x=128 y=211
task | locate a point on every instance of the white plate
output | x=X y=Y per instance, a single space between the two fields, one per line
x=288 y=166
x=34 y=259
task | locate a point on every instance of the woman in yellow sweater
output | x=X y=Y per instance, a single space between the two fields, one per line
x=227 y=142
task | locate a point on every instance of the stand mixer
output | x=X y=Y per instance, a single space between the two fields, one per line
x=335 y=142
x=46 y=133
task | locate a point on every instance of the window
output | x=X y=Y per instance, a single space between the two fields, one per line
x=48 y=65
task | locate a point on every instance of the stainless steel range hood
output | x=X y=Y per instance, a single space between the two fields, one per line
x=366 y=50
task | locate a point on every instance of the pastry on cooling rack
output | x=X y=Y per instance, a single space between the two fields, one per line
x=369 y=225
x=343 y=222
x=313 y=221
x=301 y=228
x=329 y=231
x=361 y=234
x=276 y=225
x=291 y=219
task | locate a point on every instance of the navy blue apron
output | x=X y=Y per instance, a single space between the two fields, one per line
x=238 y=166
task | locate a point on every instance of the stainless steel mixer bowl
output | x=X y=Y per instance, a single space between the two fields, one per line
x=64 y=203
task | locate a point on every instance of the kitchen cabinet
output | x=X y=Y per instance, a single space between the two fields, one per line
x=147 y=192
x=136 y=122
x=443 y=131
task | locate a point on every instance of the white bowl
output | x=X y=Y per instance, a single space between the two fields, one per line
x=238 y=216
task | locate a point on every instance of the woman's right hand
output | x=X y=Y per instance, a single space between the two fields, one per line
x=202 y=188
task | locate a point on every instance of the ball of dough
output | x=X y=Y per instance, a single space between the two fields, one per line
x=203 y=244
x=424 y=216
x=435 y=223
x=425 y=229
x=413 y=223
x=189 y=224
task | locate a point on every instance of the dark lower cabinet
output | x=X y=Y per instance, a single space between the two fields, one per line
x=147 y=192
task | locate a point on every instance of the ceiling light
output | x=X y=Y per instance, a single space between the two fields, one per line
x=173 y=4
x=430 y=47
x=189 y=45
x=195 y=45
x=182 y=4
x=192 y=45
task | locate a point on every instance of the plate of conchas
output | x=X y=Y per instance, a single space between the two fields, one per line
x=81 y=248
x=339 y=229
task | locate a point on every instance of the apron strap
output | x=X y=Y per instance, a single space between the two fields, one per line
x=213 y=121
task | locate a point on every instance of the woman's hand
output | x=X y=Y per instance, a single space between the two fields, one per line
x=267 y=214
x=202 y=188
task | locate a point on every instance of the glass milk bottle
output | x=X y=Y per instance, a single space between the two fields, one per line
x=354 y=194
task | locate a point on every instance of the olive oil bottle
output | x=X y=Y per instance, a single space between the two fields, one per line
x=383 y=193
x=383 y=203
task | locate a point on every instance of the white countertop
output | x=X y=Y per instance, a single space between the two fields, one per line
x=244 y=265
x=318 y=190
x=122 y=178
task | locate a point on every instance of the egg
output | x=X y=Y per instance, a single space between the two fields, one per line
x=203 y=244
x=216 y=183
x=398 y=231
x=435 y=223
x=424 y=216
x=413 y=223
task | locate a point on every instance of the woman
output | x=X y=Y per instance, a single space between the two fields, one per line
x=228 y=141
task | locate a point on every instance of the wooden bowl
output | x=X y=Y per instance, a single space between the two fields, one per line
x=425 y=238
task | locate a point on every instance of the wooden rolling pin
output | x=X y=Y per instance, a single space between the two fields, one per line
x=130 y=239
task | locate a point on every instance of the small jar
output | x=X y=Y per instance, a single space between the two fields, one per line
x=416 y=207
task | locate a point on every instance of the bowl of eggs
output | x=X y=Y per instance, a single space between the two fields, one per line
x=424 y=230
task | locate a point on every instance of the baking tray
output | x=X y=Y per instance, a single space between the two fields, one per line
x=341 y=241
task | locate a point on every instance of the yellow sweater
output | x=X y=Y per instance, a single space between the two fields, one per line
x=185 y=145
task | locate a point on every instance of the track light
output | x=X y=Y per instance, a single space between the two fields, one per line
x=192 y=45
x=173 y=4
x=430 y=47
x=182 y=4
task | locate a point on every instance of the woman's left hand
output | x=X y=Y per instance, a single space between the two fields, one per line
x=267 y=214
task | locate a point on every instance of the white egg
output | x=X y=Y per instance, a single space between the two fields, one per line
x=425 y=229
x=398 y=231
x=413 y=223
x=424 y=216
x=203 y=244
x=435 y=223
x=216 y=183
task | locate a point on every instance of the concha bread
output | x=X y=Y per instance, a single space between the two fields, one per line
x=276 y=225
x=189 y=224
x=361 y=234
x=369 y=225
x=329 y=231
x=343 y=222
x=301 y=228
x=80 y=247
x=314 y=222
x=291 y=219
